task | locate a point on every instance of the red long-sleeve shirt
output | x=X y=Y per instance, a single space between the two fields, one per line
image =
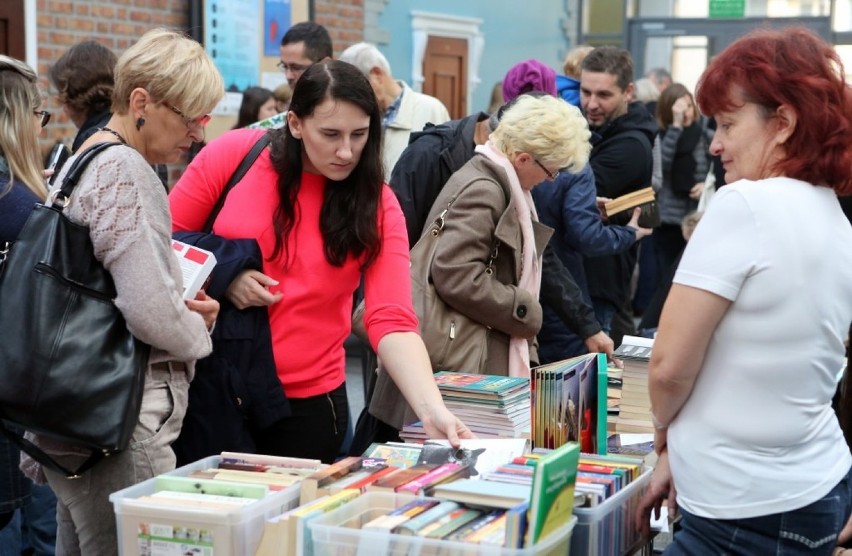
x=313 y=319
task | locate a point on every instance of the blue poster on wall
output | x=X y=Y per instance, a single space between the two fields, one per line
x=276 y=21
x=230 y=38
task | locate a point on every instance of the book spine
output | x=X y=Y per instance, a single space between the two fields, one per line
x=422 y=481
x=413 y=525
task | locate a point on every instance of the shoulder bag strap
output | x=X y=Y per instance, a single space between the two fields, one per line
x=69 y=182
x=241 y=170
x=17 y=437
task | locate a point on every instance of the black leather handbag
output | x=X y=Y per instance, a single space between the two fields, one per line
x=70 y=369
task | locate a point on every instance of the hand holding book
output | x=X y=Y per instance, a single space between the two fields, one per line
x=644 y=199
x=205 y=306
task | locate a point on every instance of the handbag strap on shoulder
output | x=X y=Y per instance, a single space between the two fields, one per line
x=241 y=170
x=61 y=195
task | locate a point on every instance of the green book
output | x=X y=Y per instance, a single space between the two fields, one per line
x=459 y=520
x=210 y=486
x=552 y=492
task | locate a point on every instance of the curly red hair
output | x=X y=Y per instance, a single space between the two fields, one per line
x=796 y=68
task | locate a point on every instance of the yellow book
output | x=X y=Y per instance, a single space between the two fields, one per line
x=299 y=517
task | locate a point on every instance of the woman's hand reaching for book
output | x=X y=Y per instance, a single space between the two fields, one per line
x=660 y=489
x=441 y=423
x=251 y=288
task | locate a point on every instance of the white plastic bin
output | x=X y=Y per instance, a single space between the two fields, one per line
x=607 y=529
x=337 y=534
x=145 y=530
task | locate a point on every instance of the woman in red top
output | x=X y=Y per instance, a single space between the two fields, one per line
x=316 y=204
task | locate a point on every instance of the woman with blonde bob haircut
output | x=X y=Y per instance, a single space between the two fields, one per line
x=165 y=85
x=492 y=212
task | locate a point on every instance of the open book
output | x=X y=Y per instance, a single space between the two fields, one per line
x=196 y=265
x=645 y=198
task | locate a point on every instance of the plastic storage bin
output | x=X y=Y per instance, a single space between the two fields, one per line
x=337 y=534
x=144 y=530
x=607 y=529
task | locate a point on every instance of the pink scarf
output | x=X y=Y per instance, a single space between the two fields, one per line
x=519 y=348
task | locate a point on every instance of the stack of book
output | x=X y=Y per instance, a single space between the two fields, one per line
x=634 y=413
x=490 y=406
x=600 y=477
x=612 y=487
x=570 y=403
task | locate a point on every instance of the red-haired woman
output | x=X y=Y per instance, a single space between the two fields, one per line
x=751 y=337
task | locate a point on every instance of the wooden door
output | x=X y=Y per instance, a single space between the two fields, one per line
x=12 y=29
x=445 y=73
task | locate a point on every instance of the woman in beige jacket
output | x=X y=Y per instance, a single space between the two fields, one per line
x=488 y=256
x=487 y=264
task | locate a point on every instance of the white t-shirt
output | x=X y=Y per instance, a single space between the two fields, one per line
x=757 y=435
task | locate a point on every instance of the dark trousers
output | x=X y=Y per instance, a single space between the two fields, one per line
x=668 y=245
x=315 y=429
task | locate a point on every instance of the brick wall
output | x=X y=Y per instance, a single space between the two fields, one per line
x=344 y=20
x=118 y=23
x=115 y=23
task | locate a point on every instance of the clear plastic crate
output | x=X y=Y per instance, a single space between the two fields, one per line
x=337 y=534
x=607 y=529
x=144 y=529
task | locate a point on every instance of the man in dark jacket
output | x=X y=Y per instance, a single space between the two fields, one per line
x=567 y=204
x=432 y=156
x=622 y=138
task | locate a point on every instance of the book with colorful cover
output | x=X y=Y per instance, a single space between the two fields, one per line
x=444 y=473
x=468 y=532
x=196 y=264
x=552 y=498
x=399 y=478
x=450 y=523
x=570 y=403
x=490 y=385
x=516 y=525
x=397 y=517
x=396 y=455
x=413 y=525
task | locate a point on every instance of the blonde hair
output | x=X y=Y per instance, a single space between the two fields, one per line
x=550 y=129
x=574 y=61
x=172 y=68
x=19 y=99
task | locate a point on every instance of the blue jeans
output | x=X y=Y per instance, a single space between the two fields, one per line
x=809 y=530
x=604 y=312
x=33 y=527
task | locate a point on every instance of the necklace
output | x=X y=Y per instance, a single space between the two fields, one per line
x=114 y=132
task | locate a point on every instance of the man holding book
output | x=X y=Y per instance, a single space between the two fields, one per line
x=622 y=137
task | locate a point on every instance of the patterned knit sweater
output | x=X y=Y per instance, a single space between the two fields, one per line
x=122 y=201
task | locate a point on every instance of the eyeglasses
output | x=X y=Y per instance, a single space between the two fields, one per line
x=197 y=123
x=295 y=68
x=45 y=116
x=550 y=175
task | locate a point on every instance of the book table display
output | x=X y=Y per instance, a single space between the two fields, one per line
x=495 y=496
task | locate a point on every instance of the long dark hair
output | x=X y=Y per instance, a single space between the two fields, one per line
x=348 y=215
x=253 y=99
